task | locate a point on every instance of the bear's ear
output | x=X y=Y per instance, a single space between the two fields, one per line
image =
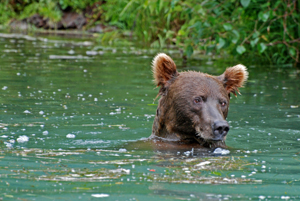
x=233 y=78
x=164 y=69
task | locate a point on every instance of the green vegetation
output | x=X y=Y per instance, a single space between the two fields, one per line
x=269 y=29
x=265 y=29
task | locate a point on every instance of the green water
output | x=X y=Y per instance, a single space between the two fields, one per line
x=72 y=114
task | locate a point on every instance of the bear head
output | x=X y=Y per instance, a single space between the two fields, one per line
x=193 y=106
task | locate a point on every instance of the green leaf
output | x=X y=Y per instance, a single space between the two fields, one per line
x=261 y=47
x=292 y=51
x=240 y=49
x=189 y=50
x=181 y=32
x=197 y=25
x=236 y=36
x=245 y=3
x=216 y=173
x=155 y=44
x=255 y=34
x=173 y=3
x=253 y=42
x=221 y=43
x=227 y=26
x=263 y=16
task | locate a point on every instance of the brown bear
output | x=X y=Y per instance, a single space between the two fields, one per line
x=193 y=106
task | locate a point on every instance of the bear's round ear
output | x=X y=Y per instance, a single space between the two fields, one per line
x=233 y=78
x=164 y=69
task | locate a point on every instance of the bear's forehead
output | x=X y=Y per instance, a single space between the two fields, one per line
x=198 y=83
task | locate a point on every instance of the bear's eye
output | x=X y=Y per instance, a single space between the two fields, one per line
x=223 y=103
x=198 y=100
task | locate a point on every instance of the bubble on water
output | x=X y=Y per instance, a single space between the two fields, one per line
x=122 y=150
x=95 y=99
x=45 y=132
x=101 y=195
x=4 y=136
x=261 y=197
x=8 y=145
x=70 y=135
x=22 y=138
x=4 y=88
x=221 y=151
x=27 y=112
x=91 y=53
x=41 y=112
x=285 y=197
x=71 y=51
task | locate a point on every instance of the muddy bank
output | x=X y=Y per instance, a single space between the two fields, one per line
x=72 y=23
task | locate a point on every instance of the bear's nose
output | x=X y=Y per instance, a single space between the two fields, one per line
x=220 y=129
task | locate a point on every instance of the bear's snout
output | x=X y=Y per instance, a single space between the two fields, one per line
x=220 y=129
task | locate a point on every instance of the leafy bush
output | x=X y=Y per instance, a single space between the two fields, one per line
x=51 y=9
x=46 y=8
x=269 y=29
x=266 y=29
x=6 y=12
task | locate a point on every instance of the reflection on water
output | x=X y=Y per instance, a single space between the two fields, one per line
x=73 y=114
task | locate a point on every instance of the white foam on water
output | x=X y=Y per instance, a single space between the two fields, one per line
x=22 y=139
x=221 y=151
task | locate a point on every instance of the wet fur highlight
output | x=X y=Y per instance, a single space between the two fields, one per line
x=163 y=68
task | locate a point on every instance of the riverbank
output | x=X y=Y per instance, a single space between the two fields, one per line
x=268 y=31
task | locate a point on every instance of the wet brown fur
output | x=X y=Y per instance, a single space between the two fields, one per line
x=178 y=118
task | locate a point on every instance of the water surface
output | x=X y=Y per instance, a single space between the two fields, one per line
x=73 y=113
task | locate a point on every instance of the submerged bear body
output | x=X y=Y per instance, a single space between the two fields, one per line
x=193 y=106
